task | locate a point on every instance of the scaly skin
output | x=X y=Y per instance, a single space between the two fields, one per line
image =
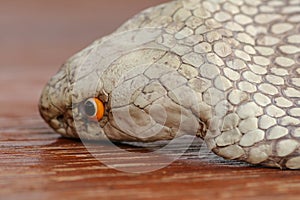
x=227 y=71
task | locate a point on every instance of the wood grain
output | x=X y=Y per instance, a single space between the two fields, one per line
x=35 y=163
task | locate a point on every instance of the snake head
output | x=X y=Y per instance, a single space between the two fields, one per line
x=132 y=91
x=73 y=101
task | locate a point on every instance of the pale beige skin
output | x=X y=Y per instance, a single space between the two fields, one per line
x=230 y=74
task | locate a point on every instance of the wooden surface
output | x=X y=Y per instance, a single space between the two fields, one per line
x=35 y=163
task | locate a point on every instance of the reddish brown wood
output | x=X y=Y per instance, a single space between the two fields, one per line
x=35 y=163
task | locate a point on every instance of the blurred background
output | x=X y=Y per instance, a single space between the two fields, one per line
x=37 y=36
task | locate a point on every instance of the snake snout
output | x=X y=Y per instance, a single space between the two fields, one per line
x=55 y=101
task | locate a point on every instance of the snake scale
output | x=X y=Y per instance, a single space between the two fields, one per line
x=227 y=71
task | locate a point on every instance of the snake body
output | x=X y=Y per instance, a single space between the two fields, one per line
x=227 y=71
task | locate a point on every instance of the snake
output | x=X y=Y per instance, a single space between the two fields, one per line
x=227 y=71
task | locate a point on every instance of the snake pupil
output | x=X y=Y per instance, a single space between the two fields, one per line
x=89 y=109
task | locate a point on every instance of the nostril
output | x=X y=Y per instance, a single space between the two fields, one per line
x=60 y=118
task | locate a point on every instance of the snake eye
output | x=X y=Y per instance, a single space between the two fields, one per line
x=94 y=108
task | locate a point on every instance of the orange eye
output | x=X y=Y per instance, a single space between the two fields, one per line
x=94 y=108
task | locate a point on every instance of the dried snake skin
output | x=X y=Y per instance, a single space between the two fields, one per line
x=224 y=70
